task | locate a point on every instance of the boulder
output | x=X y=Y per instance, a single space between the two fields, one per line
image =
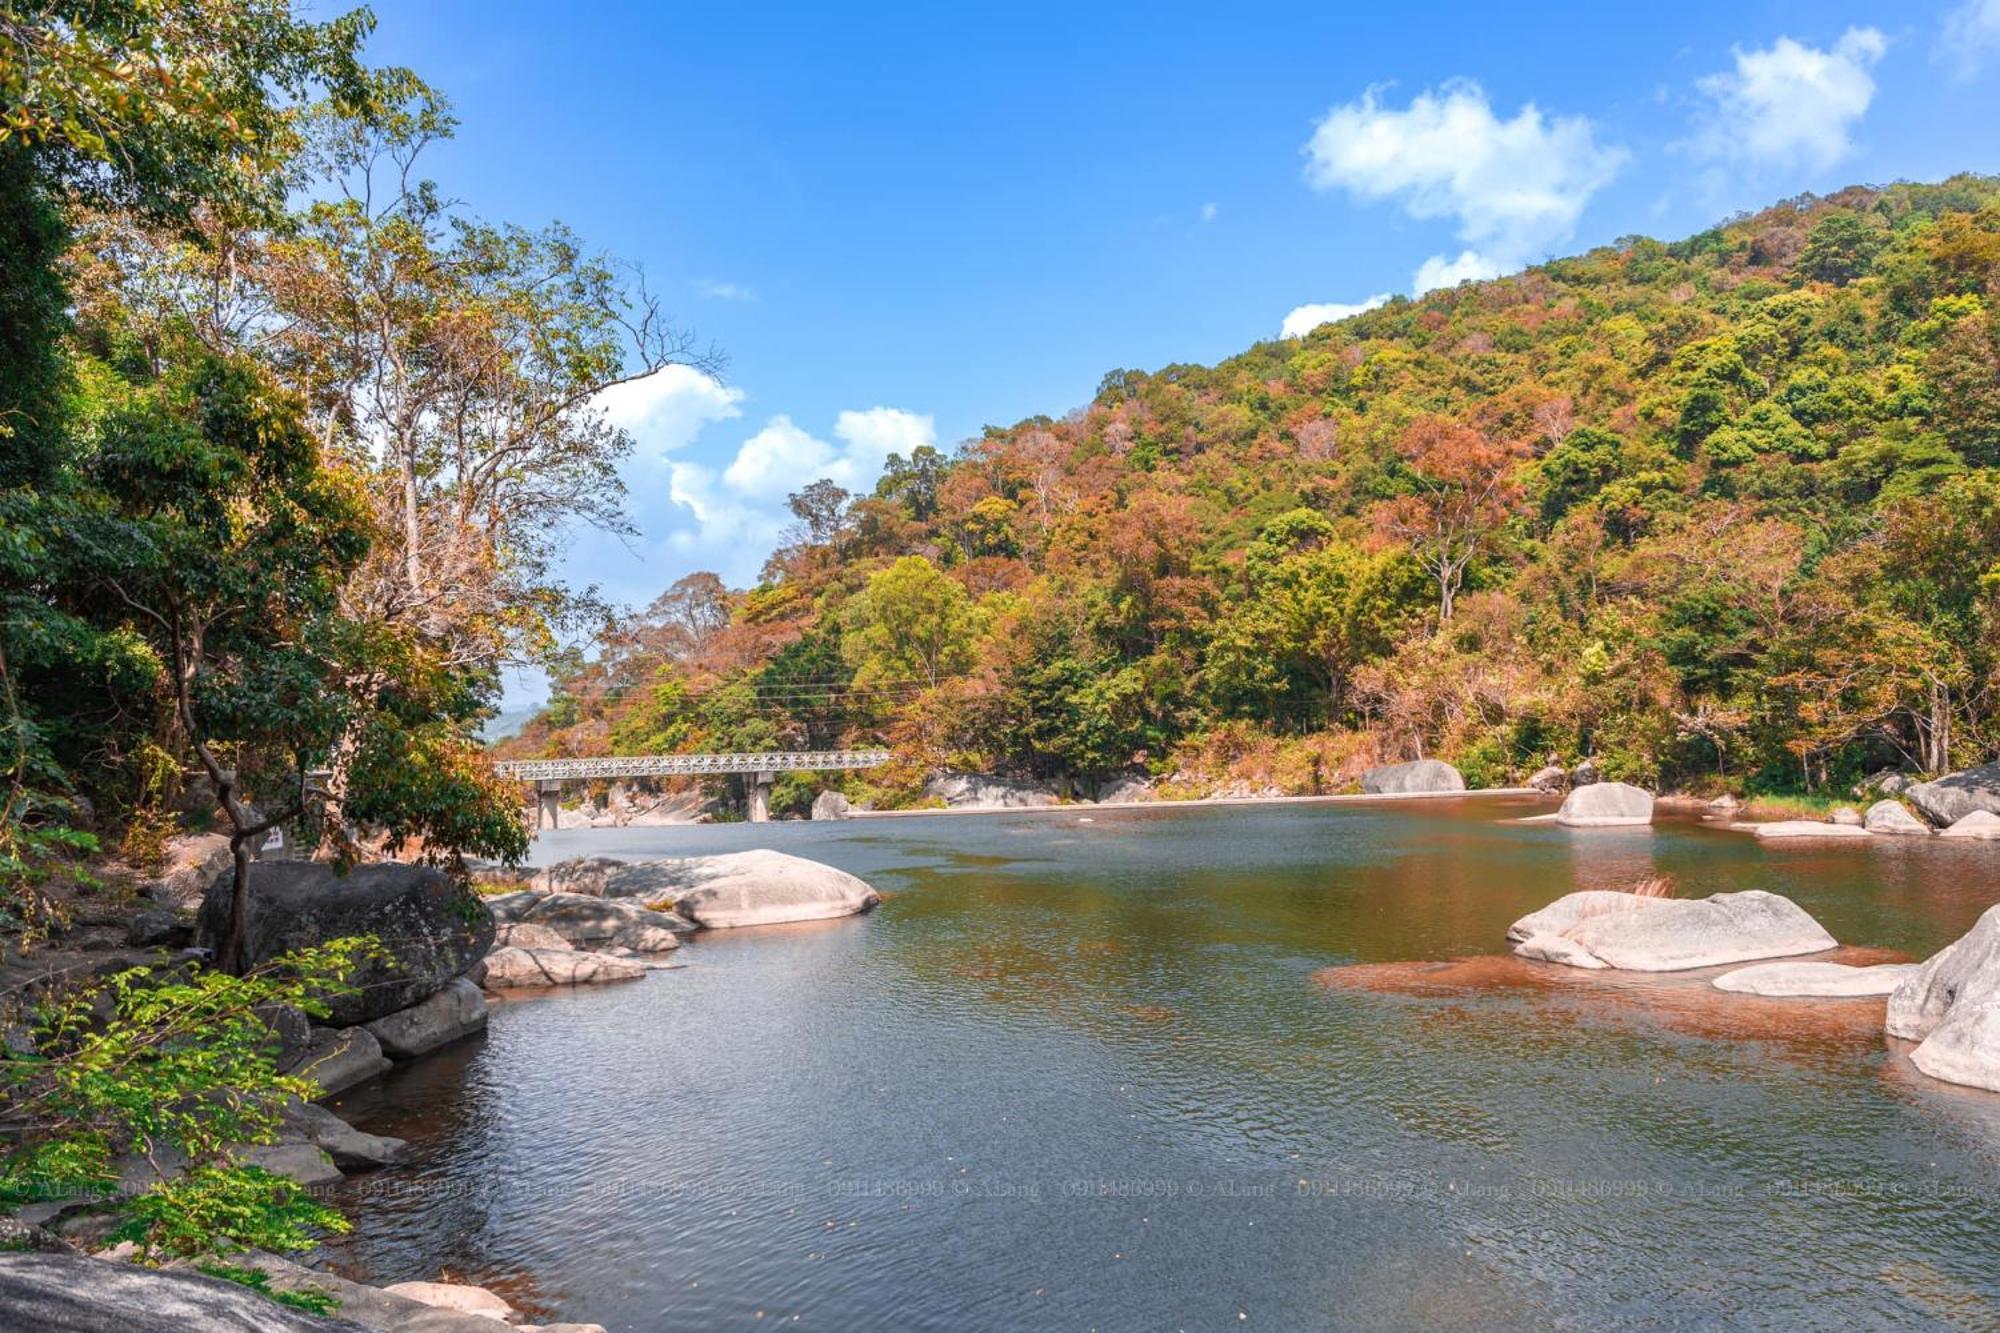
x=1553 y=778
x=515 y=968
x=586 y=875
x=505 y=907
x=1834 y=980
x=303 y=1162
x=831 y=805
x=527 y=936
x=63 y=1293
x=1845 y=814
x=976 y=791
x=1725 y=804
x=1418 y=777
x=1893 y=818
x=1808 y=828
x=431 y=928
x=749 y=888
x=595 y=923
x=1125 y=791
x=158 y=927
x=1605 y=805
x=350 y=1149
x=1952 y=798
x=1950 y=1005
x=459 y=1010
x=1978 y=824
x=1586 y=773
x=453 y=1296
x=338 y=1058
x=1624 y=930
x=188 y=865
x=371 y=1307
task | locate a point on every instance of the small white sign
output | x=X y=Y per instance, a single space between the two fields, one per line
x=274 y=841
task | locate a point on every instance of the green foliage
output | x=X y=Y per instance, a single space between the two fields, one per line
x=912 y=622
x=312 y=1300
x=182 y=1067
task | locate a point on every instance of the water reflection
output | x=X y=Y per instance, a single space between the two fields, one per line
x=1092 y=1075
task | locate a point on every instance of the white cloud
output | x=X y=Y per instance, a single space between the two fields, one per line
x=1208 y=212
x=717 y=290
x=782 y=457
x=1790 y=104
x=665 y=410
x=1470 y=266
x=1514 y=187
x=1970 y=37
x=1304 y=319
x=777 y=459
x=873 y=435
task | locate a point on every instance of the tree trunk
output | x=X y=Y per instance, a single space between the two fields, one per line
x=229 y=958
x=413 y=569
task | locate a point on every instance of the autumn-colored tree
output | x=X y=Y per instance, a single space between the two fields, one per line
x=1462 y=488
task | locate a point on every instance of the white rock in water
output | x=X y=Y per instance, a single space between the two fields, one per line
x=1965 y=971
x=1606 y=805
x=515 y=968
x=1559 y=949
x=1845 y=814
x=1892 y=817
x=453 y=1296
x=1809 y=828
x=831 y=805
x=1671 y=934
x=763 y=887
x=1978 y=824
x=1418 y=777
x=1816 y=979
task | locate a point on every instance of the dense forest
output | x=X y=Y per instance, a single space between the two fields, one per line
x=1721 y=513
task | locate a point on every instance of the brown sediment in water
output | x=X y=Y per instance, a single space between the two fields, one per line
x=1683 y=1001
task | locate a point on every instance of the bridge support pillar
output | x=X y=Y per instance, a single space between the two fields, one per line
x=550 y=803
x=760 y=797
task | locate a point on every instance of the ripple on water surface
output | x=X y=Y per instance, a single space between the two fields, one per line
x=1126 y=1075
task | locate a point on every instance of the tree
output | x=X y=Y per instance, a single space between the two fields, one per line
x=821 y=509
x=1838 y=250
x=1462 y=490
x=912 y=622
x=913 y=482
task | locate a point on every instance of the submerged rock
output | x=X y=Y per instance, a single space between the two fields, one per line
x=338 y=1058
x=1624 y=930
x=1837 y=980
x=1809 y=828
x=1418 y=777
x=1892 y=817
x=515 y=968
x=1951 y=1005
x=1606 y=805
x=1978 y=824
x=431 y=928
x=1952 y=798
x=453 y=1296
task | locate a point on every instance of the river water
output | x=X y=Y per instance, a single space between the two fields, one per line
x=1092 y=1071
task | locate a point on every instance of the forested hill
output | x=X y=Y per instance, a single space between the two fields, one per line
x=1722 y=512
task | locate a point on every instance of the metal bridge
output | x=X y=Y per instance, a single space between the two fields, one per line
x=549 y=775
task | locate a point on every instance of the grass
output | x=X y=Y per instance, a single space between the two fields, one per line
x=1659 y=886
x=312 y=1300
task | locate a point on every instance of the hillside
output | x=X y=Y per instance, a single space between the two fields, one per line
x=1721 y=512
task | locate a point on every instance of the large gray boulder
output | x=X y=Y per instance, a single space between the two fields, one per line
x=1418 y=777
x=1978 y=824
x=58 y=1293
x=1952 y=798
x=458 y=1010
x=1893 y=819
x=1125 y=791
x=338 y=1058
x=528 y=936
x=350 y=1148
x=431 y=928
x=606 y=923
x=1951 y=1005
x=515 y=968
x=1606 y=805
x=1596 y=928
x=756 y=889
x=978 y=791
x=831 y=805
x=188 y=865
x=587 y=875
x=1832 y=980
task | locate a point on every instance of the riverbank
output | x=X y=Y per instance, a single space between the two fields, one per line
x=1205 y=803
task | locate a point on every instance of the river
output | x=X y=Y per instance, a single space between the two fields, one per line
x=1087 y=1070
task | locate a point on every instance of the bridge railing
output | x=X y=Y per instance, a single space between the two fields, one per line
x=678 y=765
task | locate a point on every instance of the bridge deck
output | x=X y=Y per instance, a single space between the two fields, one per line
x=678 y=765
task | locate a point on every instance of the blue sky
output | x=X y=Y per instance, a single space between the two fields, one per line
x=906 y=222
